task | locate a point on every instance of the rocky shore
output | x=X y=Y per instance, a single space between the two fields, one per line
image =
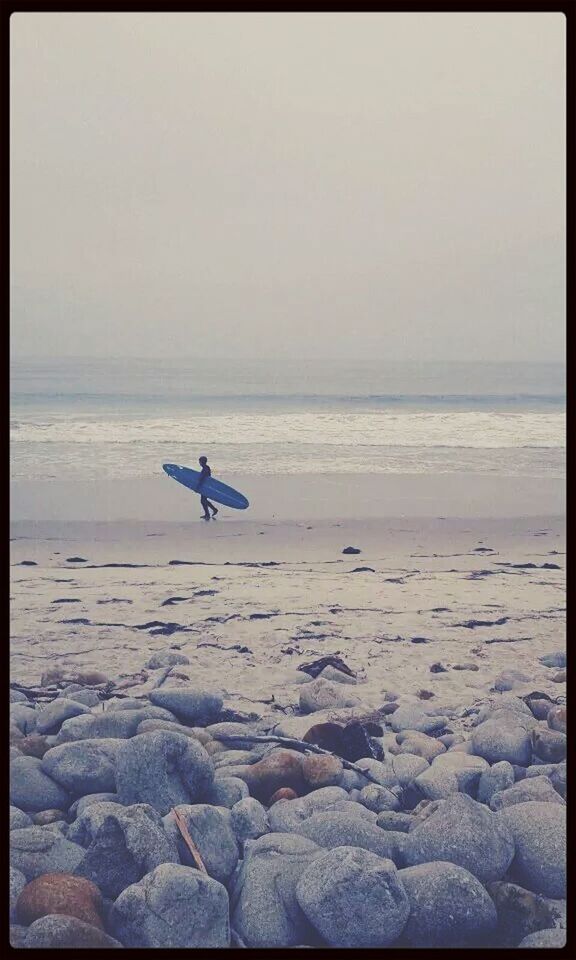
x=147 y=812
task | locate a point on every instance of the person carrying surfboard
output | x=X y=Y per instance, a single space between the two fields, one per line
x=204 y=474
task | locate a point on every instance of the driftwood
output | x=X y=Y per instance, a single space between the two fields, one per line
x=181 y=824
x=294 y=744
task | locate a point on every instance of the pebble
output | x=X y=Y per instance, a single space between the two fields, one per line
x=249 y=820
x=84 y=766
x=166 y=658
x=51 y=717
x=57 y=931
x=549 y=745
x=449 y=907
x=353 y=898
x=322 y=695
x=120 y=845
x=162 y=769
x=553 y=938
x=532 y=788
x=38 y=850
x=31 y=789
x=520 y=912
x=211 y=831
x=265 y=911
x=539 y=832
x=496 y=740
x=497 y=778
x=60 y=893
x=321 y=771
x=557 y=659
x=559 y=677
x=463 y=832
x=509 y=680
x=16 y=881
x=188 y=704
x=284 y=793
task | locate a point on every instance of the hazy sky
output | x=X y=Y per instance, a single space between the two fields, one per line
x=258 y=184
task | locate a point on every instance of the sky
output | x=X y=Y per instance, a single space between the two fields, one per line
x=288 y=184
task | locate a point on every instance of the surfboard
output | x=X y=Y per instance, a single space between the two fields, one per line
x=211 y=488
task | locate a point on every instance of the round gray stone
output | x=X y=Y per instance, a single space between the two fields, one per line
x=17 y=882
x=495 y=740
x=51 y=717
x=552 y=938
x=163 y=769
x=499 y=777
x=189 y=705
x=212 y=834
x=353 y=898
x=19 y=819
x=249 y=819
x=84 y=766
x=539 y=832
x=38 y=850
x=32 y=789
x=531 y=788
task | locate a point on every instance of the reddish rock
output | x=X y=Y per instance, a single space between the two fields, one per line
x=281 y=768
x=89 y=678
x=557 y=719
x=540 y=708
x=387 y=708
x=549 y=745
x=284 y=793
x=60 y=893
x=48 y=816
x=322 y=771
x=559 y=677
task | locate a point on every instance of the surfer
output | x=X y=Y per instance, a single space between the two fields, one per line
x=204 y=474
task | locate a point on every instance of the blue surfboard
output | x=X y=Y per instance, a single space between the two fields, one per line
x=211 y=488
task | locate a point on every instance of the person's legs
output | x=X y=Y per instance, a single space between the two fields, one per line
x=212 y=507
x=204 y=501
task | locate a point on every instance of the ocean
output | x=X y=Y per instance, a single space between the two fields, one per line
x=80 y=419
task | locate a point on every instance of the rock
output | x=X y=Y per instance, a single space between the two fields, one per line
x=51 y=717
x=162 y=769
x=74 y=691
x=280 y=768
x=466 y=666
x=195 y=733
x=414 y=716
x=390 y=820
x=509 y=679
x=351 y=742
x=32 y=789
x=60 y=893
x=549 y=745
x=463 y=832
x=336 y=676
x=17 y=936
x=520 y=912
x=494 y=741
x=264 y=909
x=289 y=814
x=84 y=766
x=45 y=817
x=545 y=938
x=557 y=659
x=23 y=716
x=539 y=832
x=449 y=907
x=16 y=696
x=212 y=833
x=557 y=719
x=166 y=658
x=249 y=820
x=502 y=704
x=19 y=819
x=189 y=705
x=120 y=845
x=322 y=695
x=540 y=708
x=405 y=769
x=227 y=791
x=496 y=779
x=80 y=805
x=58 y=931
x=532 y=788
x=334 y=829
x=438 y=668
x=284 y=793
x=436 y=784
x=378 y=799
x=351 y=550
x=38 y=850
x=559 y=677
x=558 y=779
x=321 y=771
x=173 y=906
x=89 y=678
x=115 y=724
x=421 y=745
x=353 y=898
x=17 y=882
x=34 y=745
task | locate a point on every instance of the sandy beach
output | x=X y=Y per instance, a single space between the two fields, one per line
x=248 y=602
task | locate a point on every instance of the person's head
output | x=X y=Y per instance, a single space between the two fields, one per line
x=202 y=461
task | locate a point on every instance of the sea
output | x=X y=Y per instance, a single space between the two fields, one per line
x=80 y=419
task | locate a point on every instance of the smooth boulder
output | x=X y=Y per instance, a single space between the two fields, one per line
x=539 y=832
x=32 y=789
x=84 y=766
x=162 y=769
x=189 y=705
x=449 y=907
